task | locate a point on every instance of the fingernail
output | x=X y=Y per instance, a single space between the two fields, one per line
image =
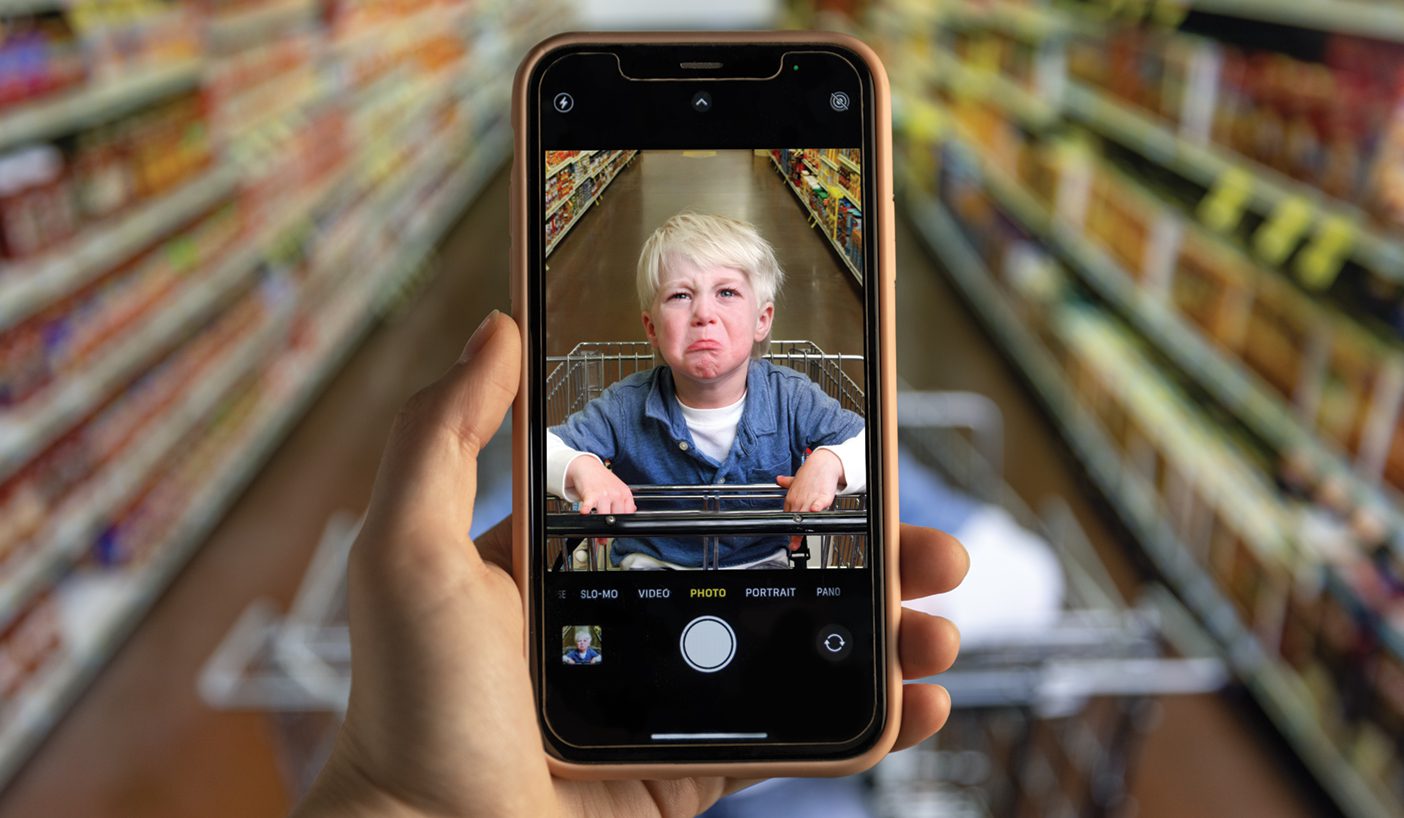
x=480 y=337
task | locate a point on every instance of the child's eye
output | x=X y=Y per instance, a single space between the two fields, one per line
x=676 y=296
x=730 y=293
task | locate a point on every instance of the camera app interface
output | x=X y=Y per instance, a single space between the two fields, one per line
x=706 y=451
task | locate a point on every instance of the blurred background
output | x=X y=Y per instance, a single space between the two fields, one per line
x=1150 y=317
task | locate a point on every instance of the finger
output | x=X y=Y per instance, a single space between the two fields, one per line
x=932 y=562
x=926 y=644
x=924 y=709
x=784 y=480
x=428 y=474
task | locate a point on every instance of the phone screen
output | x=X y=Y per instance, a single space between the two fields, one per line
x=705 y=542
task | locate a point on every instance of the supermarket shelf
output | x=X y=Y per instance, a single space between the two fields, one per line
x=129 y=604
x=1239 y=390
x=844 y=192
x=490 y=152
x=586 y=207
x=127 y=601
x=1206 y=164
x=851 y=165
x=592 y=174
x=30 y=285
x=26 y=433
x=72 y=110
x=819 y=222
x=1279 y=692
x=1380 y=21
x=552 y=171
x=955 y=76
x=79 y=518
x=271 y=17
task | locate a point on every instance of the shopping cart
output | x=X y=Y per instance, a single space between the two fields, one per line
x=1047 y=721
x=709 y=512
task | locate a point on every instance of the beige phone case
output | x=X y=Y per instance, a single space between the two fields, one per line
x=886 y=280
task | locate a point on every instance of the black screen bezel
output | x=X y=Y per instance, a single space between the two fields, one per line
x=732 y=128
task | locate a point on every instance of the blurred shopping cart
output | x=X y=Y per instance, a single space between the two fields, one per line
x=1047 y=720
x=1048 y=716
x=578 y=542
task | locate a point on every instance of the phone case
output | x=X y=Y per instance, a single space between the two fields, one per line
x=886 y=282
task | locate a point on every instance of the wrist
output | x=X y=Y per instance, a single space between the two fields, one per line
x=343 y=791
x=829 y=462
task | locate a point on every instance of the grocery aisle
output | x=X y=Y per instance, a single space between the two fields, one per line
x=819 y=302
x=182 y=758
x=1208 y=754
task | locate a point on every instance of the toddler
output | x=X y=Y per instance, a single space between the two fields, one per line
x=715 y=412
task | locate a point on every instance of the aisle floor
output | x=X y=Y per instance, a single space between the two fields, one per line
x=140 y=742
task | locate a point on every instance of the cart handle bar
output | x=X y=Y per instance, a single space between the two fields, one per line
x=704 y=523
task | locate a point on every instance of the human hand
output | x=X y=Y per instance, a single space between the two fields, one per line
x=813 y=487
x=441 y=719
x=599 y=490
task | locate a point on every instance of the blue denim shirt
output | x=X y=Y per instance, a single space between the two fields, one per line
x=638 y=425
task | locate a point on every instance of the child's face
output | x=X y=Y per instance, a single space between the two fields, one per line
x=582 y=643
x=705 y=320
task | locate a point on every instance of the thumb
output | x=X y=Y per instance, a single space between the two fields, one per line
x=428 y=475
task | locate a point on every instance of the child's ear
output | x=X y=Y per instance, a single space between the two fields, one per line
x=649 y=330
x=767 y=314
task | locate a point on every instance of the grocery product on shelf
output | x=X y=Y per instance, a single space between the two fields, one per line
x=36 y=202
x=39 y=55
x=67 y=337
x=49 y=192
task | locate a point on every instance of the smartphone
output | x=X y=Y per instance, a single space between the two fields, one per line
x=705 y=507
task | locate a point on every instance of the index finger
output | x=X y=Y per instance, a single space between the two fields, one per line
x=932 y=562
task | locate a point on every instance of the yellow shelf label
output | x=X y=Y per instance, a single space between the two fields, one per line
x=1321 y=261
x=1289 y=221
x=1222 y=209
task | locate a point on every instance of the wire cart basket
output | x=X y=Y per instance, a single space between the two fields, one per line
x=1046 y=722
x=581 y=542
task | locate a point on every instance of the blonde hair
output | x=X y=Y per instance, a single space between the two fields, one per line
x=710 y=241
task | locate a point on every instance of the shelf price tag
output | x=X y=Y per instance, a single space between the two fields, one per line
x=1222 y=209
x=1283 y=229
x=1321 y=261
